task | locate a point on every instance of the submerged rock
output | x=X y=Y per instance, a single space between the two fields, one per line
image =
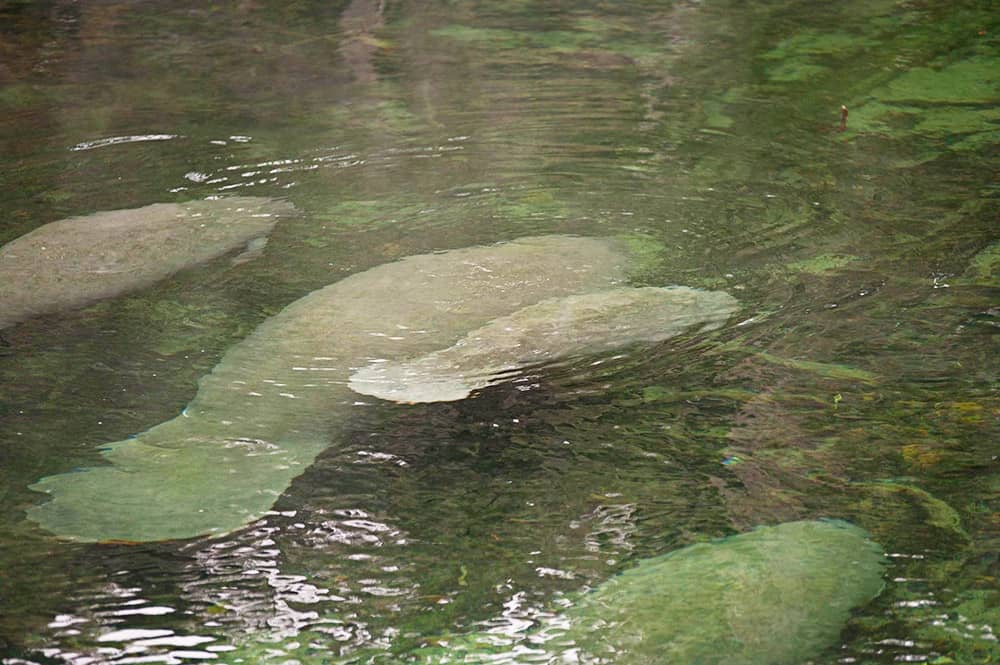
x=74 y=262
x=269 y=406
x=549 y=330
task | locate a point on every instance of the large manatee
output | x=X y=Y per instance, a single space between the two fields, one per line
x=773 y=596
x=268 y=408
x=552 y=329
x=74 y=262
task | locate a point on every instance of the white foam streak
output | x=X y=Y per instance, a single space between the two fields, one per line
x=115 y=140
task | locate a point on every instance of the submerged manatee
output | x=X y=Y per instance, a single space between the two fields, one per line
x=269 y=406
x=773 y=596
x=555 y=328
x=74 y=262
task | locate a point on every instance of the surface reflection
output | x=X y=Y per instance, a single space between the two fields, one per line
x=860 y=384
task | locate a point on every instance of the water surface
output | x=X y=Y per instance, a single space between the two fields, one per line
x=860 y=385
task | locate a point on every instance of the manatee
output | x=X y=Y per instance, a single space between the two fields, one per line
x=773 y=596
x=552 y=329
x=74 y=262
x=777 y=595
x=271 y=404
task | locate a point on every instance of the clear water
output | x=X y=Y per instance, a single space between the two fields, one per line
x=861 y=385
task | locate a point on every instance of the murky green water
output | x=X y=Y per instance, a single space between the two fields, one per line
x=860 y=383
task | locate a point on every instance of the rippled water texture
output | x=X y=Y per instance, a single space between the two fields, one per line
x=853 y=378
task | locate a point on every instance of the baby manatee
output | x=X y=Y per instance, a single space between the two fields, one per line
x=549 y=330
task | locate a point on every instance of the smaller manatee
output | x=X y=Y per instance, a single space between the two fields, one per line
x=777 y=595
x=73 y=262
x=552 y=329
x=773 y=596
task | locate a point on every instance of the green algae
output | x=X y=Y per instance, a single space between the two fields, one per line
x=974 y=617
x=814 y=42
x=796 y=71
x=808 y=54
x=971 y=81
x=824 y=263
x=953 y=628
x=938 y=513
x=594 y=44
x=365 y=213
x=526 y=208
x=716 y=116
x=954 y=102
x=965 y=128
x=666 y=394
x=825 y=370
x=955 y=120
x=482 y=36
x=985 y=265
x=649 y=257
x=18 y=96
